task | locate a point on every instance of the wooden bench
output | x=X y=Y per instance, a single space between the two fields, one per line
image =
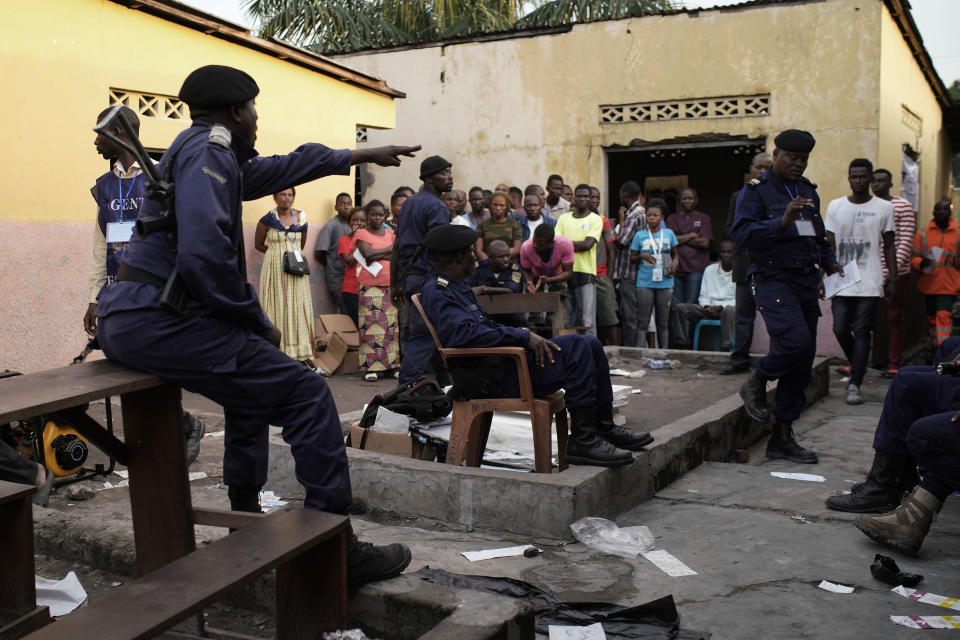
x=307 y=548
x=551 y=302
x=153 y=452
x=19 y=613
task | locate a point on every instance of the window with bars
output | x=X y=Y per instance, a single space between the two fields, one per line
x=361 y=134
x=695 y=109
x=150 y=105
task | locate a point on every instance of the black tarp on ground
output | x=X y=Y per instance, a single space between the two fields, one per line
x=655 y=620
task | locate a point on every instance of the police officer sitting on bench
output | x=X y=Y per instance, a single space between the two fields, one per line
x=575 y=363
x=222 y=345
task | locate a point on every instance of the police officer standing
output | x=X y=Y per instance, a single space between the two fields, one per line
x=222 y=345
x=409 y=265
x=778 y=221
x=575 y=363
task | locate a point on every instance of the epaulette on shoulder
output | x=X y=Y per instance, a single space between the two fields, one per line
x=442 y=282
x=756 y=182
x=220 y=135
x=807 y=180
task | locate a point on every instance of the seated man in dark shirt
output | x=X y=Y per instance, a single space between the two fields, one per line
x=497 y=274
x=575 y=363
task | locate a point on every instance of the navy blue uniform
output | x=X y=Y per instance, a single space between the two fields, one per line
x=581 y=368
x=510 y=278
x=419 y=213
x=217 y=347
x=784 y=277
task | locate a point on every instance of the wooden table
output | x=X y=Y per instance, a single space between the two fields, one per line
x=551 y=302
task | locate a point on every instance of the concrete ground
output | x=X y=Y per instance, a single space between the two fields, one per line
x=759 y=544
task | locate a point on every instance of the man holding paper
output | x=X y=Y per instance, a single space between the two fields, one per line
x=936 y=255
x=857 y=226
x=777 y=219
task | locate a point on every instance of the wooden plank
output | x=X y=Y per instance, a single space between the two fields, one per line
x=521 y=302
x=14 y=491
x=224 y=518
x=148 y=605
x=312 y=591
x=25 y=623
x=17 y=589
x=159 y=487
x=57 y=389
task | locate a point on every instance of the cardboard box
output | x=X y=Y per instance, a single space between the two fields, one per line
x=397 y=444
x=351 y=362
x=331 y=323
x=331 y=358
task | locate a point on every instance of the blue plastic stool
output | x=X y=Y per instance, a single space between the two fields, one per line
x=716 y=336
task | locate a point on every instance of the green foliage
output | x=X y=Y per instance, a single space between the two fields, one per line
x=338 y=26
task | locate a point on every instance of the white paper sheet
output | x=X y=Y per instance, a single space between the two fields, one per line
x=374 y=268
x=504 y=552
x=834 y=587
x=806 y=477
x=593 y=632
x=834 y=284
x=668 y=563
x=926 y=622
x=62 y=596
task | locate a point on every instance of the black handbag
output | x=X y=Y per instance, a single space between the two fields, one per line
x=295 y=264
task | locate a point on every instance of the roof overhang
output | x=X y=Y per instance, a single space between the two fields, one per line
x=209 y=24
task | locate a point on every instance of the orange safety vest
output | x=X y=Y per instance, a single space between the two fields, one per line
x=944 y=276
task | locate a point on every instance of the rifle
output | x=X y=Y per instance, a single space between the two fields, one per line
x=161 y=190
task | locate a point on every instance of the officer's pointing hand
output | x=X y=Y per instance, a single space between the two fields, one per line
x=837 y=268
x=388 y=156
x=792 y=212
x=956 y=417
x=275 y=337
x=542 y=349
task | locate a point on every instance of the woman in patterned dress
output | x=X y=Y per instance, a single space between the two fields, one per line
x=284 y=297
x=378 y=317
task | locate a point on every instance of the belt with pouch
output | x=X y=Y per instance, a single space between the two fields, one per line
x=173 y=294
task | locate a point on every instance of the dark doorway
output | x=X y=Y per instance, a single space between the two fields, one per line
x=714 y=169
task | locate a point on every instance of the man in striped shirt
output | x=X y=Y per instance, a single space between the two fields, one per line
x=904 y=226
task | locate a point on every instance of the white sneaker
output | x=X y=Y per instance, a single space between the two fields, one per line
x=370 y=377
x=853 y=394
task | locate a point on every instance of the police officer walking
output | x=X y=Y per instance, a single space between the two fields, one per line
x=409 y=265
x=778 y=221
x=221 y=344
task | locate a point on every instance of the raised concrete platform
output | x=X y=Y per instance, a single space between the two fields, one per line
x=542 y=505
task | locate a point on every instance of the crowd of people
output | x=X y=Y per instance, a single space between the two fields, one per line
x=640 y=274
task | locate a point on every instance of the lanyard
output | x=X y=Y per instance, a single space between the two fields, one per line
x=793 y=196
x=124 y=198
x=544 y=263
x=293 y=222
x=659 y=245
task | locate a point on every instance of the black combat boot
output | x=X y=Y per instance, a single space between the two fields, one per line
x=368 y=563
x=244 y=499
x=620 y=436
x=754 y=394
x=881 y=491
x=584 y=445
x=783 y=446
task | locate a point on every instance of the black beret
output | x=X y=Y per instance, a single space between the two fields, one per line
x=795 y=140
x=432 y=165
x=449 y=238
x=218 y=86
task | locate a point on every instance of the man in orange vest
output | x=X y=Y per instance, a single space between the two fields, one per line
x=936 y=254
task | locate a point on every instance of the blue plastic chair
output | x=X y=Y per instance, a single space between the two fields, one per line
x=716 y=334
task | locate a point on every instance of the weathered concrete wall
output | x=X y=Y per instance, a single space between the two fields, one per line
x=518 y=109
x=903 y=94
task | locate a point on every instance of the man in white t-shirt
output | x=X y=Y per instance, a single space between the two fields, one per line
x=718 y=298
x=857 y=227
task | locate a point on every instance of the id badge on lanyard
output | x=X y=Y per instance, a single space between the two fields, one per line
x=657 y=275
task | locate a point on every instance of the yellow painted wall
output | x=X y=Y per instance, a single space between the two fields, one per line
x=58 y=58
x=517 y=110
x=901 y=84
x=56 y=80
